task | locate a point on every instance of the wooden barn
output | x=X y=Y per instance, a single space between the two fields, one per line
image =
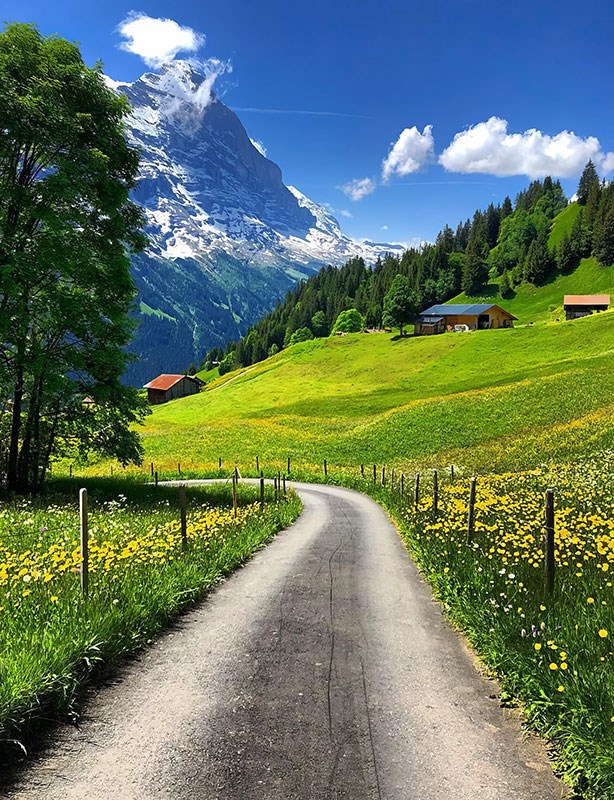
x=170 y=387
x=465 y=317
x=581 y=305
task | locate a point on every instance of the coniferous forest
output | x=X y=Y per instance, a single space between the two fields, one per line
x=507 y=242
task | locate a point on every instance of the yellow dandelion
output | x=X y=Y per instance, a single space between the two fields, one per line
x=554 y=666
x=603 y=633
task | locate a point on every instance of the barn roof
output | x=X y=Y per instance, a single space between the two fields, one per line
x=165 y=382
x=586 y=300
x=426 y=319
x=462 y=310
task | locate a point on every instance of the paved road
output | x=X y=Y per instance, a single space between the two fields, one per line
x=322 y=669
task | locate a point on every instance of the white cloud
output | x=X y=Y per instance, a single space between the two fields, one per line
x=409 y=153
x=157 y=40
x=358 y=188
x=384 y=228
x=259 y=146
x=607 y=165
x=343 y=212
x=488 y=148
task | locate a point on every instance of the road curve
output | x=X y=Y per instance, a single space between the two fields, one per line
x=322 y=669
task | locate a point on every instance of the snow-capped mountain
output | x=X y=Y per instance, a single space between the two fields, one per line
x=227 y=236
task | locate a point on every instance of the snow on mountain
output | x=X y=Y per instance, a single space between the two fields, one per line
x=227 y=236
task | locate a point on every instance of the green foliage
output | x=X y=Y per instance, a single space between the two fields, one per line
x=66 y=230
x=505 y=287
x=319 y=324
x=538 y=263
x=588 y=179
x=475 y=272
x=566 y=259
x=401 y=304
x=350 y=321
x=301 y=335
x=273 y=350
x=227 y=364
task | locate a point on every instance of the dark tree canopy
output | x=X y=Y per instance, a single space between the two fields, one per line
x=587 y=179
x=401 y=304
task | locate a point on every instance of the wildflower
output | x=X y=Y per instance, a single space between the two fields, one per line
x=537 y=646
x=590 y=600
x=554 y=666
x=560 y=688
x=603 y=633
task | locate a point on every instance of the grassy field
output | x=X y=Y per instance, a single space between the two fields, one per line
x=484 y=399
x=51 y=638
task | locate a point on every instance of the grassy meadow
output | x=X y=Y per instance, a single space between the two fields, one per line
x=524 y=409
x=51 y=638
x=489 y=400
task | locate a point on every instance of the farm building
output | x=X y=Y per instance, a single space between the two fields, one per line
x=581 y=305
x=170 y=387
x=467 y=317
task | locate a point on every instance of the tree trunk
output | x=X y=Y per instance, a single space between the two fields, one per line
x=15 y=430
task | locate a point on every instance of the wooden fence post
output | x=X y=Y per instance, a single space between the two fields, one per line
x=156 y=478
x=262 y=491
x=284 y=483
x=70 y=471
x=402 y=484
x=435 y=493
x=85 y=552
x=392 y=480
x=417 y=490
x=288 y=465
x=219 y=463
x=362 y=470
x=179 y=469
x=183 y=514
x=451 y=473
x=257 y=464
x=375 y=473
x=325 y=468
x=151 y=467
x=111 y=471
x=234 y=492
x=471 y=512
x=383 y=476
x=549 y=541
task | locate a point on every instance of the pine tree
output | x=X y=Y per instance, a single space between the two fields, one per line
x=505 y=286
x=538 y=263
x=604 y=239
x=587 y=179
x=566 y=259
x=475 y=271
x=506 y=208
x=578 y=238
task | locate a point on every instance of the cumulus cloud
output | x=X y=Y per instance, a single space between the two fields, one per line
x=607 y=165
x=384 y=228
x=488 y=148
x=343 y=212
x=409 y=153
x=358 y=188
x=157 y=40
x=259 y=146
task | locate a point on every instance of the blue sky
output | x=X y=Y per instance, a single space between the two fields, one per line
x=465 y=68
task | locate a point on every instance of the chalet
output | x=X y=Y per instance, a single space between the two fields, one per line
x=170 y=387
x=466 y=317
x=581 y=305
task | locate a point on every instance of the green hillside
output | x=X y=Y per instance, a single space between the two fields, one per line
x=536 y=304
x=545 y=303
x=483 y=398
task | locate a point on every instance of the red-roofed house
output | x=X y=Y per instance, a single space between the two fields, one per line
x=170 y=387
x=581 y=305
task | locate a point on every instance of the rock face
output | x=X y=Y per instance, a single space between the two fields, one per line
x=227 y=237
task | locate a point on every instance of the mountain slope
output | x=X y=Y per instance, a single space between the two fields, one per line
x=227 y=237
